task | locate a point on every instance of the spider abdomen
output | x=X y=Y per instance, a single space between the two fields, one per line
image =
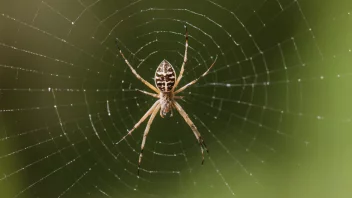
x=165 y=76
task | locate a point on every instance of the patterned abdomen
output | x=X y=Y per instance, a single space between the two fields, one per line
x=165 y=76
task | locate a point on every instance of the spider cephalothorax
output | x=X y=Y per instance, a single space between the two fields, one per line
x=165 y=84
x=165 y=103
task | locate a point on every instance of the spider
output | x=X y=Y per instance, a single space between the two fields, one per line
x=165 y=85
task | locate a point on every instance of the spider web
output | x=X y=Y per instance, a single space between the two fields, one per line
x=274 y=111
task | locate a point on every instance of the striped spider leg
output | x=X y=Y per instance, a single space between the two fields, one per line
x=165 y=85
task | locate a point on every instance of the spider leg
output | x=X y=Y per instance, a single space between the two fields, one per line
x=148 y=93
x=135 y=73
x=201 y=142
x=184 y=61
x=172 y=113
x=194 y=81
x=179 y=97
x=161 y=114
x=150 y=111
x=146 y=131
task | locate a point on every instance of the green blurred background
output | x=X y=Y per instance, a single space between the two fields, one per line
x=275 y=111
